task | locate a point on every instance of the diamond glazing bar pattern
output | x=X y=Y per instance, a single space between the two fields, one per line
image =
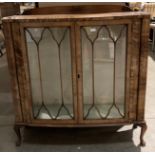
x=60 y=70
x=92 y=42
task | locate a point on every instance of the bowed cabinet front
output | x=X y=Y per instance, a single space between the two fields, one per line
x=78 y=70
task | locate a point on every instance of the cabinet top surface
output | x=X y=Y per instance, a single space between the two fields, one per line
x=73 y=17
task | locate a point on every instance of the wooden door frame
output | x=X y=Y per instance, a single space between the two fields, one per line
x=26 y=84
x=131 y=71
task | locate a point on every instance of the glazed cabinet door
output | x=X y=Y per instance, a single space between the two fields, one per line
x=49 y=55
x=83 y=72
x=104 y=68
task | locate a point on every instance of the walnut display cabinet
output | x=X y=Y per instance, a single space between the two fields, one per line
x=78 y=70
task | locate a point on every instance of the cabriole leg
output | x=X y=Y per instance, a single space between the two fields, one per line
x=143 y=130
x=18 y=133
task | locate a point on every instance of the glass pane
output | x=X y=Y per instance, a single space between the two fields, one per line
x=103 y=63
x=49 y=55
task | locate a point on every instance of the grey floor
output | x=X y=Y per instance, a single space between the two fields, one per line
x=98 y=139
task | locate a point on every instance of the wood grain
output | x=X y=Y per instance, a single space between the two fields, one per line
x=13 y=72
x=83 y=9
x=143 y=68
x=20 y=67
x=74 y=18
x=134 y=64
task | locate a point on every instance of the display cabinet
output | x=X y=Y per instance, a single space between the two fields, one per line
x=78 y=70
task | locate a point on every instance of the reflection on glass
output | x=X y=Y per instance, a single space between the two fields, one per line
x=49 y=57
x=103 y=62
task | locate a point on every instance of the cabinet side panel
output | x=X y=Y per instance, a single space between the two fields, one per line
x=143 y=67
x=134 y=66
x=13 y=72
x=19 y=57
